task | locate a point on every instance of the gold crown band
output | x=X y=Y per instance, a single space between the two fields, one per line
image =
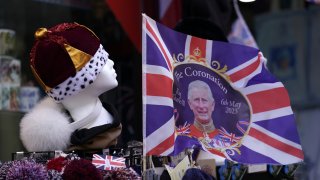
x=88 y=30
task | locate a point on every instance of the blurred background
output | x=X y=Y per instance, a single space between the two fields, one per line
x=286 y=31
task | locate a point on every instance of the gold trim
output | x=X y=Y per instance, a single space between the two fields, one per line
x=88 y=30
x=215 y=65
x=42 y=84
x=78 y=57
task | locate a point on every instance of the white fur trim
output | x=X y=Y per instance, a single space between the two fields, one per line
x=82 y=79
x=46 y=127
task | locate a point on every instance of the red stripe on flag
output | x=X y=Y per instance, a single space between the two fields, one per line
x=216 y=152
x=276 y=143
x=245 y=71
x=269 y=100
x=159 y=85
x=98 y=161
x=149 y=28
x=163 y=146
x=198 y=45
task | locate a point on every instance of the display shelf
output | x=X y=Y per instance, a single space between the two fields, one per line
x=9 y=134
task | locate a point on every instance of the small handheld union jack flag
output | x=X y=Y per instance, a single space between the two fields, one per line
x=106 y=162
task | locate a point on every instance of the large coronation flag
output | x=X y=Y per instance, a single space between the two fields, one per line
x=252 y=114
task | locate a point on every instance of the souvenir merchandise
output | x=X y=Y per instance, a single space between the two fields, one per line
x=7 y=41
x=10 y=71
x=10 y=97
x=29 y=97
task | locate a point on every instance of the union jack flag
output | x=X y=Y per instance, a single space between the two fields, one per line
x=270 y=137
x=106 y=162
x=240 y=33
x=185 y=129
x=231 y=137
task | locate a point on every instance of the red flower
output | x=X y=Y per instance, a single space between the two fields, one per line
x=57 y=163
x=81 y=169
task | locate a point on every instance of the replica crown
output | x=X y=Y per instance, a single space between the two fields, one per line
x=66 y=58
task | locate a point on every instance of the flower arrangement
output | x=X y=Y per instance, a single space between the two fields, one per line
x=69 y=166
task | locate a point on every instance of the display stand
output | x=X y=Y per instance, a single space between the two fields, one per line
x=9 y=134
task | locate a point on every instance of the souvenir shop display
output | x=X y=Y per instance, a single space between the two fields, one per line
x=202 y=111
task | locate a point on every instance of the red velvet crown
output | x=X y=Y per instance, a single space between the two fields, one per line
x=51 y=59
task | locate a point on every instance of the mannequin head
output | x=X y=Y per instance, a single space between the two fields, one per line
x=105 y=81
